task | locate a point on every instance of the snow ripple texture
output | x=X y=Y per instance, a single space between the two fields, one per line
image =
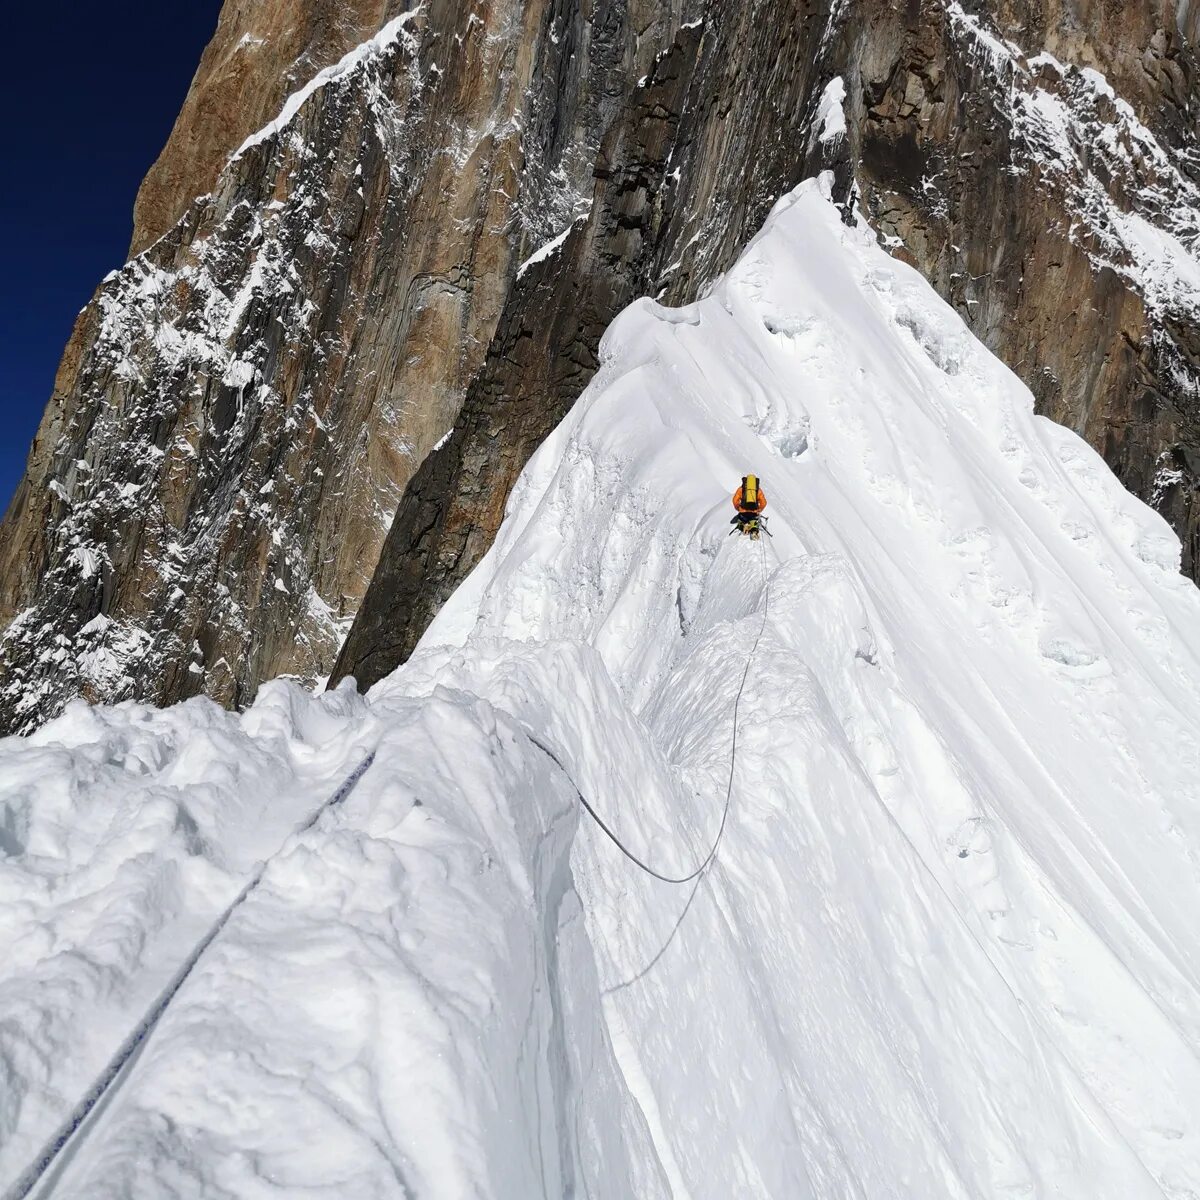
x=948 y=947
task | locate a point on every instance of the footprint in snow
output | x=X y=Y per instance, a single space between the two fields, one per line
x=973 y=836
x=1077 y=531
x=788 y=439
x=976 y=542
x=1170 y=1135
x=797 y=335
x=879 y=757
x=1071 y=658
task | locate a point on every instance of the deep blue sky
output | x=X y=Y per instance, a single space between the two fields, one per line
x=89 y=93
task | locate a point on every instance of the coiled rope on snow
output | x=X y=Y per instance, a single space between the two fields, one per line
x=708 y=858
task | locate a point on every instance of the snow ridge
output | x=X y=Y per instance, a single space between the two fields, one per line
x=75 y=1126
x=945 y=948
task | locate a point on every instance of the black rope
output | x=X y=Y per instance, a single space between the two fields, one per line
x=616 y=841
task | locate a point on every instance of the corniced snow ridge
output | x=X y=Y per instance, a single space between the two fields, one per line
x=947 y=947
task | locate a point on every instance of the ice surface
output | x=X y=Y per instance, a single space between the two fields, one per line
x=948 y=946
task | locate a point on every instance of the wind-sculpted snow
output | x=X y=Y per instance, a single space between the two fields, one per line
x=947 y=948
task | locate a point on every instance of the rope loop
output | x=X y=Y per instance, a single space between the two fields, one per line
x=708 y=858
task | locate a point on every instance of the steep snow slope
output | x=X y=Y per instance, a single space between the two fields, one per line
x=947 y=947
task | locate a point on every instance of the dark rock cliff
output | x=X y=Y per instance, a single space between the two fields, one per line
x=387 y=297
x=240 y=407
x=684 y=176
x=1042 y=171
x=1021 y=186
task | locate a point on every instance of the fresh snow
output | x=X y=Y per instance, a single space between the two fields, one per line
x=831 y=112
x=552 y=247
x=386 y=37
x=947 y=949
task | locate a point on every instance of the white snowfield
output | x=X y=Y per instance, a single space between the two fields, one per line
x=949 y=946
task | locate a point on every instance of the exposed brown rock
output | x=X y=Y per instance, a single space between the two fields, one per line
x=1019 y=238
x=734 y=155
x=943 y=172
x=262 y=51
x=242 y=405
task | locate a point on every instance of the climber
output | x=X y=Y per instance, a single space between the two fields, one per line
x=749 y=500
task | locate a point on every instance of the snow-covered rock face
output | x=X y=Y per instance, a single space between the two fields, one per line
x=206 y=476
x=947 y=947
x=1038 y=163
x=260 y=54
x=242 y=406
x=1058 y=217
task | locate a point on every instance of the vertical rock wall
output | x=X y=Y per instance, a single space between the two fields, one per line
x=241 y=407
x=1020 y=185
x=1055 y=201
x=684 y=177
x=261 y=52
